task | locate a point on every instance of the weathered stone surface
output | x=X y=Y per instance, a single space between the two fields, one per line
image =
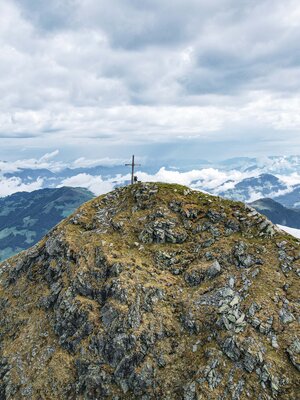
x=214 y=269
x=294 y=353
x=194 y=276
x=286 y=317
x=164 y=231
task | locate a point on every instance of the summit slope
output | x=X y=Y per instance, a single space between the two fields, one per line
x=153 y=291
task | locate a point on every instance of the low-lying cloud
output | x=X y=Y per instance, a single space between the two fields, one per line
x=95 y=184
x=49 y=171
x=9 y=186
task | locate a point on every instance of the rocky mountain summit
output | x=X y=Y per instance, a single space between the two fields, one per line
x=153 y=291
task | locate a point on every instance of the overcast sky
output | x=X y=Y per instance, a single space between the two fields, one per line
x=165 y=79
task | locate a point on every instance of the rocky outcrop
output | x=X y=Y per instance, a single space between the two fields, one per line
x=153 y=291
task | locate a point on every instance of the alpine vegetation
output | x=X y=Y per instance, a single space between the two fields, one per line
x=153 y=291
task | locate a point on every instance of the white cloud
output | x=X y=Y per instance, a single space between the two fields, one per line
x=254 y=195
x=48 y=156
x=83 y=162
x=213 y=180
x=94 y=183
x=13 y=185
x=138 y=73
x=209 y=179
x=290 y=180
x=33 y=163
x=281 y=192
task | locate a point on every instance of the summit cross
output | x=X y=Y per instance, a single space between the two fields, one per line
x=132 y=165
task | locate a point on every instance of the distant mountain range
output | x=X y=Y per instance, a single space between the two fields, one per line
x=277 y=213
x=272 y=164
x=26 y=217
x=54 y=175
x=291 y=199
x=264 y=185
x=53 y=178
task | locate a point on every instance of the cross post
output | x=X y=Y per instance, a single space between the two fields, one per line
x=132 y=165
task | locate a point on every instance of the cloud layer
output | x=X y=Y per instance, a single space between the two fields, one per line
x=102 y=175
x=88 y=73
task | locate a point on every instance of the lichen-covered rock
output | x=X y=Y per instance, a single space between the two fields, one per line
x=153 y=291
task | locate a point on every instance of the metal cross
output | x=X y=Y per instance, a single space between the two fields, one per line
x=132 y=165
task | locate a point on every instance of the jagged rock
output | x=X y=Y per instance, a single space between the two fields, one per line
x=214 y=269
x=162 y=232
x=238 y=389
x=231 y=349
x=194 y=276
x=294 y=353
x=274 y=342
x=285 y=316
x=231 y=226
x=243 y=259
x=153 y=291
x=189 y=391
x=189 y=323
x=215 y=216
x=249 y=362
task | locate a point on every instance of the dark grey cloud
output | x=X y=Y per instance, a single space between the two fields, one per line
x=247 y=50
x=128 y=24
x=16 y=135
x=236 y=44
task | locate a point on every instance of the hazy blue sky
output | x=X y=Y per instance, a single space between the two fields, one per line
x=162 y=78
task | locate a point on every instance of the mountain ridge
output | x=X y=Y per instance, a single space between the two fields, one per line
x=25 y=217
x=153 y=291
x=277 y=213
